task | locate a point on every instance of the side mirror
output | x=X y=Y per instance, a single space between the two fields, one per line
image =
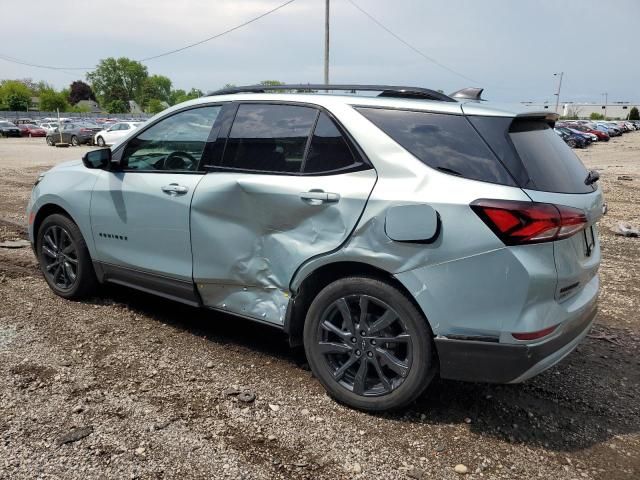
x=97 y=158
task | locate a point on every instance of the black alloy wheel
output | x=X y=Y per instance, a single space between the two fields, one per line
x=368 y=344
x=64 y=258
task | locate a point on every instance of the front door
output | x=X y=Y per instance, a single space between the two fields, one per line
x=289 y=187
x=140 y=212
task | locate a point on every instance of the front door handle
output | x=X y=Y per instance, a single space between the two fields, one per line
x=318 y=197
x=174 y=189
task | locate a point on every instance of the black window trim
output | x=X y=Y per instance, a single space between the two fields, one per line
x=118 y=152
x=356 y=150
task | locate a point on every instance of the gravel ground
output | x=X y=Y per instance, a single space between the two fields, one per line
x=131 y=386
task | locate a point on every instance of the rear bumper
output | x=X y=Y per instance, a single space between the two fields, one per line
x=493 y=362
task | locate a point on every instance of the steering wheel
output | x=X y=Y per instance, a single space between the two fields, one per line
x=179 y=161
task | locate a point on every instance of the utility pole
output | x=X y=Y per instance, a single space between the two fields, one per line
x=326 y=43
x=606 y=100
x=561 y=74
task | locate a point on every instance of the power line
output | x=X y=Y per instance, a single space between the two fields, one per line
x=403 y=41
x=163 y=54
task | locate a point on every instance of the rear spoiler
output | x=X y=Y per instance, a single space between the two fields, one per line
x=550 y=118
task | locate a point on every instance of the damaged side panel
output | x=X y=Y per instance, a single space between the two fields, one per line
x=250 y=233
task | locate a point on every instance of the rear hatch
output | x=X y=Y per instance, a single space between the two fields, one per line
x=549 y=172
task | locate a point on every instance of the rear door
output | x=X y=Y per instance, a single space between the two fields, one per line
x=285 y=186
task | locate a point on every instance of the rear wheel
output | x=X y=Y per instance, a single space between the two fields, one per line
x=64 y=258
x=368 y=344
x=74 y=141
x=50 y=141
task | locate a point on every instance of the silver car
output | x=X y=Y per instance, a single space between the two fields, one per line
x=395 y=236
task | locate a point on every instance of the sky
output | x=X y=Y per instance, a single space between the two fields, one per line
x=512 y=48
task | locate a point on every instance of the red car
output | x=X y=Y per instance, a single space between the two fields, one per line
x=30 y=130
x=602 y=136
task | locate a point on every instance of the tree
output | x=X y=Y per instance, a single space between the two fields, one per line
x=596 y=116
x=156 y=87
x=179 y=96
x=272 y=83
x=155 y=106
x=50 y=100
x=117 y=106
x=79 y=90
x=118 y=79
x=634 y=114
x=15 y=95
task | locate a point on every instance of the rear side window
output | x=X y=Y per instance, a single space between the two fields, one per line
x=328 y=151
x=550 y=163
x=269 y=138
x=445 y=142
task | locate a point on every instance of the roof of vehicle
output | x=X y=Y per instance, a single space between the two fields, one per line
x=410 y=98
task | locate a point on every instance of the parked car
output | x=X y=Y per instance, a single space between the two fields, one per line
x=24 y=121
x=601 y=135
x=73 y=133
x=590 y=137
x=8 y=129
x=49 y=127
x=610 y=129
x=572 y=139
x=382 y=233
x=34 y=130
x=115 y=132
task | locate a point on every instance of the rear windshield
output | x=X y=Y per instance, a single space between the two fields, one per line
x=445 y=142
x=549 y=162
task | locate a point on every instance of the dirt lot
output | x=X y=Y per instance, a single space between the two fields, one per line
x=145 y=379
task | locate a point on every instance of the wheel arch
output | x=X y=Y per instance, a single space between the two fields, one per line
x=43 y=212
x=322 y=276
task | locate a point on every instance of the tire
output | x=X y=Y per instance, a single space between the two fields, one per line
x=100 y=142
x=74 y=141
x=50 y=141
x=571 y=143
x=60 y=240
x=336 y=359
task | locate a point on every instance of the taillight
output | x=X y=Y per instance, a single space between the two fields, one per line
x=517 y=223
x=534 y=335
x=86 y=130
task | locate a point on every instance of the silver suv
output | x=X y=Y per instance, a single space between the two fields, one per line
x=395 y=236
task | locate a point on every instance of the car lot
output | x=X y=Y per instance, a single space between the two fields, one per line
x=152 y=378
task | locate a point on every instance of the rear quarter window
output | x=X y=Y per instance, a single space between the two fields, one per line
x=447 y=143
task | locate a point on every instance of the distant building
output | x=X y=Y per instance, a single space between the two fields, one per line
x=91 y=105
x=134 y=107
x=584 y=110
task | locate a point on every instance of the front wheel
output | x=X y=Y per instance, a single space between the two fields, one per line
x=100 y=141
x=74 y=141
x=50 y=141
x=368 y=344
x=64 y=258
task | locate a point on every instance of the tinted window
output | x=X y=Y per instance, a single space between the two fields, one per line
x=445 y=142
x=269 y=138
x=328 y=150
x=551 y=164
x=175 y=143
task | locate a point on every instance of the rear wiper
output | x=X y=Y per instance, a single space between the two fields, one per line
x=592 y=177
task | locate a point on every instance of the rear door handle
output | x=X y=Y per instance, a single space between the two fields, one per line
x=174 y=189
x=318 y=197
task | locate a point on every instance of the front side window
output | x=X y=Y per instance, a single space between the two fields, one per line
x=269 y=138
x=176 y=143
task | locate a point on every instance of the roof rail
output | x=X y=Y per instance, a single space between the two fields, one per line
x=386 y=90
